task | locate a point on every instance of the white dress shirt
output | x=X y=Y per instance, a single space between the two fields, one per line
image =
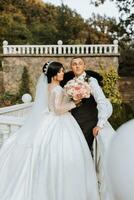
x=103 y=104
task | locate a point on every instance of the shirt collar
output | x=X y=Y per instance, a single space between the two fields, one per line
x=81 y=77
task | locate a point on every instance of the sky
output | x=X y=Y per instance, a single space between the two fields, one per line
x=84 y=8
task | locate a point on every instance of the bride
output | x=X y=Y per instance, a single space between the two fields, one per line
x=48 y=157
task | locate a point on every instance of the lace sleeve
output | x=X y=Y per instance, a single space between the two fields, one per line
x=60 y=106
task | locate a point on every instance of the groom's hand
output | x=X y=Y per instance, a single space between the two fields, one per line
x=78 y=102
x=96 y=130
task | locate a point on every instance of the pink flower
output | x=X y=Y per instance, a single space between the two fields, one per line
x=77 y=89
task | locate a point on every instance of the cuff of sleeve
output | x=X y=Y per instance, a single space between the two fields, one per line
x=100 y=124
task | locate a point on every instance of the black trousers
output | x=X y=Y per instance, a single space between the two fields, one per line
x=88 y=133
x=89 y=138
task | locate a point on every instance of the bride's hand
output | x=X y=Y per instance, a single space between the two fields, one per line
x=96 y=130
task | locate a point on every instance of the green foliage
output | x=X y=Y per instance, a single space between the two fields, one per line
x=121 y=112
x=126 y=14
x=24 y=87
x=71 y=26
x=110 y=86
x=7 y=99
x=36 y=22
x=126 y=62
x=102 y=28
x=13 y=27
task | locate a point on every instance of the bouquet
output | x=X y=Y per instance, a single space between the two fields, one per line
x=77 y=89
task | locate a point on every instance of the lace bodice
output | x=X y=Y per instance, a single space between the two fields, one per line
x=58 y=102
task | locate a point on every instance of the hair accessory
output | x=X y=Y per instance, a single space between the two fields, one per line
x=46 y=67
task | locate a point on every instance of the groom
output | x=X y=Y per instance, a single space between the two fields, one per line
x=92 y=113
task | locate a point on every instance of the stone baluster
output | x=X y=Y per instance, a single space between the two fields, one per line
x=100 y=49
x=87 y=49
x=50 y=50
x=46 y=50
x=64 y=50
x=82 y=50
x=109 y=49
x=95 y=47
x=59 y=46
x=23 y=50
x=37 y=50
x=91 y=49
x=27 y=50
x=77 y=50
x=5 y=44
x=105 y=49
x=115 y=46
x=41 y=50
x=69 y=49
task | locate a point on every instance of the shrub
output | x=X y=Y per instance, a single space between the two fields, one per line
x=121 y=112
x=8 y=99
x=24 y=86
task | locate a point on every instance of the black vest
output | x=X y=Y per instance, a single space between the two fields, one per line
x=86 y=114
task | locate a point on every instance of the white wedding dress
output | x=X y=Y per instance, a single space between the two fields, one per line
x=53 y=162
x=120 y=163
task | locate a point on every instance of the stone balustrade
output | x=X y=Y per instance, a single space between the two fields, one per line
x=60 y=49
x=16 y=58
x=12 y=118
x=8 y=125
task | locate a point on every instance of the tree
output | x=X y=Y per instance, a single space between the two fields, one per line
x=100 y=29
x=43 y=33
x=24 y=86
x=71 y=26
x=126 y=62
x=126 y=14
x=13 y=26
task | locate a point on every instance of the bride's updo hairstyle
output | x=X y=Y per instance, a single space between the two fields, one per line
x=50 y=69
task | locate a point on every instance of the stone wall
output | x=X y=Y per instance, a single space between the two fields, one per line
x=1 y=82
x=13 y=67
x=126 y=86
